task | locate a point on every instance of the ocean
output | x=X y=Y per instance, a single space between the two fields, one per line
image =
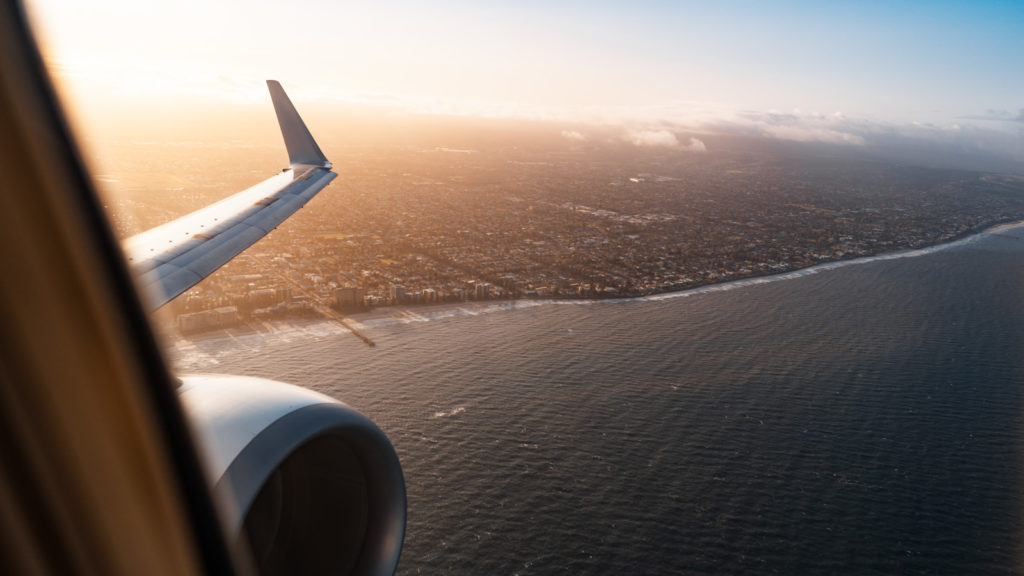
x=863 y=417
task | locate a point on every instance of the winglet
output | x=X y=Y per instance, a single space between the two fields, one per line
x=302 y=149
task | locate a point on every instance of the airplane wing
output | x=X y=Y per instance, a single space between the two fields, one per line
x=170 y=259
x=307 y=484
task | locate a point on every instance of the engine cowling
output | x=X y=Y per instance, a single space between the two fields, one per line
x=310 y=485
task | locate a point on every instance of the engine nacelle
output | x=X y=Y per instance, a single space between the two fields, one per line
x=311 y=485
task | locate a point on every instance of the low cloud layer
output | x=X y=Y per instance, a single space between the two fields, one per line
x=989 y=141
x=663 y=139
x=695 y=145
x=996 y=146
x=652 y=138
x=573 y=135
x=798 y=127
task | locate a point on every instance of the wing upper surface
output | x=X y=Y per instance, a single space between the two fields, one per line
x=171 y=258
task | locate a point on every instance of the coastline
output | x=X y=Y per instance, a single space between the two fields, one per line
x=407 y=314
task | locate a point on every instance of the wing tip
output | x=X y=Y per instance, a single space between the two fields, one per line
x=302 y=148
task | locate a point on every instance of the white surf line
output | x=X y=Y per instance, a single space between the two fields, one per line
x=826 y=266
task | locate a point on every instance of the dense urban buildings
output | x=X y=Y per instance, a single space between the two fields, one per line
x=499 y=212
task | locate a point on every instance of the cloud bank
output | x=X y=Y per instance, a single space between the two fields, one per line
x=992 y=140
x=695 y=145
x=662 y=139
x=652 y=138
x=991 y=146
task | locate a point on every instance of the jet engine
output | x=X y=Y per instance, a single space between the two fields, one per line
x=310 y=485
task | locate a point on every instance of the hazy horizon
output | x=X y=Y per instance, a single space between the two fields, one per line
x=910 y=80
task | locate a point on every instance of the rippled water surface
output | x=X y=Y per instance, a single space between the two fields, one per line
x=856 y=419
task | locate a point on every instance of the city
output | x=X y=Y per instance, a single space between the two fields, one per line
x=489 y=215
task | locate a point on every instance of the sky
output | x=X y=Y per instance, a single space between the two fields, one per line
x=841 y=72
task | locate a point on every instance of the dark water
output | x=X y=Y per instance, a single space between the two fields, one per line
x=864 y=419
